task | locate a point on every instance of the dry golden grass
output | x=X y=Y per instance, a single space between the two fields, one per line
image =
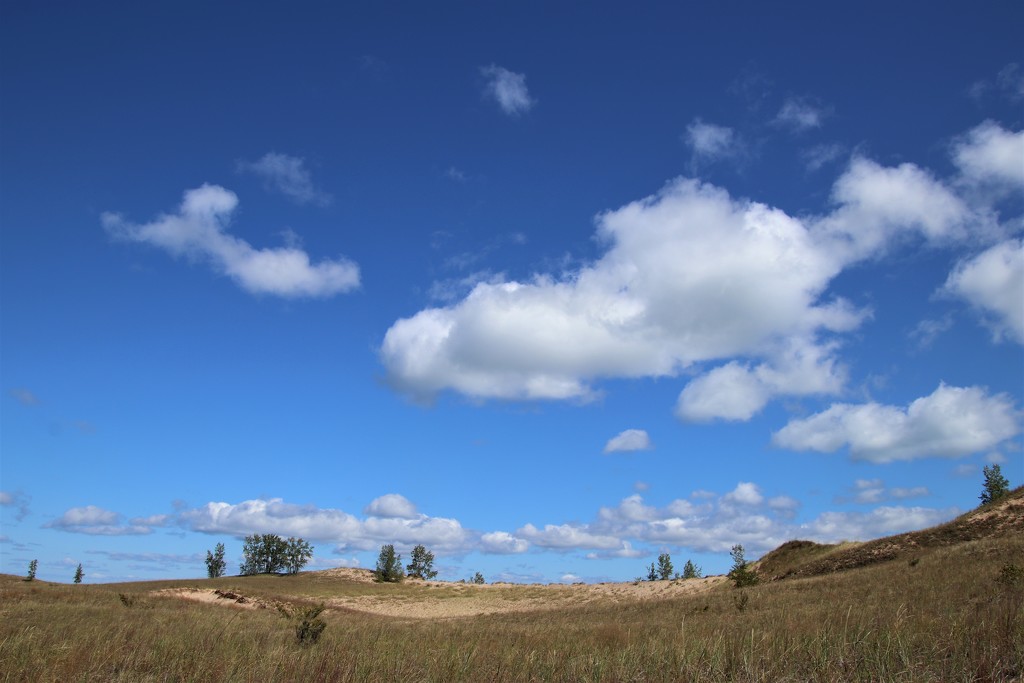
x=941 y=616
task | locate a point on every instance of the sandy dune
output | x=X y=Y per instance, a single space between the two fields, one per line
x=439 y=599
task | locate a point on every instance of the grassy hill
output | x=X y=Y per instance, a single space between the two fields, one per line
x=943 y=604
x=806 y=558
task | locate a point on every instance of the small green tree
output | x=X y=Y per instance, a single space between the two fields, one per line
x=664 y=567
x=267 y=554
x=477 y=578
x=389 y=565
x=741 y=574
x=79 y=574
x=215 y=565
x=652 y=572
x=296 y=554
x=32 y=570
x=422 y=564
x=691 y=571
x=996 y=485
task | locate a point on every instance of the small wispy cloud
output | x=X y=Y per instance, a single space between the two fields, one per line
x=817 y=157
x=874 y=491
x=508 y=89
x=629 y=440
x=287 y=175
x=1009 y=83
x=24 y=396
x=927 y=331
x=17 y=500
x=800 y=114
x=712 y=142
x=454 y=173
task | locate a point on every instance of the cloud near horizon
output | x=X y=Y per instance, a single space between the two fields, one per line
x=706 y=522
x=951 y=422
x=96 y=521
x=198 y=231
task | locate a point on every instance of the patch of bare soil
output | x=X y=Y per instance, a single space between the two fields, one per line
x=346 y=573
x=216 y=596
x=454 y=600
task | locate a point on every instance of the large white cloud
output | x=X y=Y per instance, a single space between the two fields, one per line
x=950 y=422
x=993 y=282
x=198 y=231
x=689 y=275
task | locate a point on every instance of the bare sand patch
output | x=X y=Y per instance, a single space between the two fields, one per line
x=446 y=600
x=455 y=600
x=215 y=596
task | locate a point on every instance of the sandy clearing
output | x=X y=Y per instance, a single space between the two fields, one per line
x=455 y=600
x=218 y=597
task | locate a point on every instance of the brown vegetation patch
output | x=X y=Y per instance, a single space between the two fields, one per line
x=1002 y=518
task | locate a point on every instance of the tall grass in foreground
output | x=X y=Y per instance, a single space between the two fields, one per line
x=945 y=618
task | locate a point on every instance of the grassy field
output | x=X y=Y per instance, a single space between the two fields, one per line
x=939 y=614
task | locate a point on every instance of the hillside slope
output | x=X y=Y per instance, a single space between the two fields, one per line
x=806 y=558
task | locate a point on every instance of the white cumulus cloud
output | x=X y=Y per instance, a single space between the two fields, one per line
x=993 y=282
x=629 y=440
x=737 y=391
x=690 y=275
x=879 y=205
x=276 y=516
x=96 y=521
x=502 y=543
x=950 y=422
x=567 y=537
x=508 y=89
x=391 y=505
x=833 y=527
x=198 y=231
x=988 y=153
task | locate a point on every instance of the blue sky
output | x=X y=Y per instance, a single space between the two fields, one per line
x=550 y=289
